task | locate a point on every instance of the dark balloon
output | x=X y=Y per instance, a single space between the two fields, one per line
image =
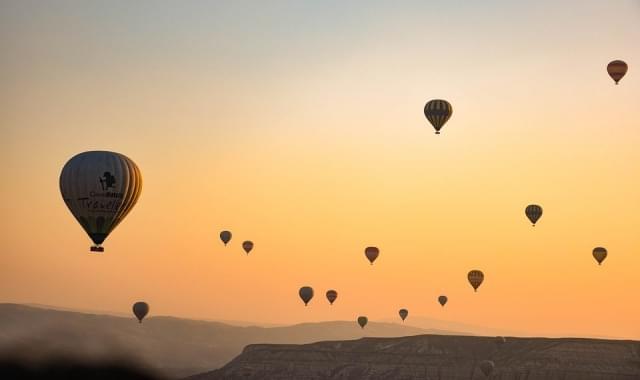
x=617 y=69
x=306 y=294
x=600 y=254
x=533 y=212
x=225 y=236
x=100 y=188
x=371 y=253
x=362 y=321
x=403 y=314
x=486 y=366
x=331 y=296
x=140 y=310
x=442 y=300
x=247 y=246
x=475 y=278
x=438 y=111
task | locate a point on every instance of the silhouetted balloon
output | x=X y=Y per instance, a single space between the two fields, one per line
x=306 y=294
x=331 y=296
x=362 y=321
x=443 y=300
x=225 y=236
x=486 y=366
x=372 y=253
x=140 y=310
x=247 y=246
x=533 y=212
x=600 y=254
x=475 y=278
x=617 y=69
x=100 y=188
x=403 y=314
x=438 y=111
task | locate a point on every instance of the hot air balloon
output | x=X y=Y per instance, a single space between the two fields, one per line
x=247 y=246
x=486 y=366
x=140 y=310
x=533 y=212
x=600 y=254
x=403 y=314
x=306 y=294
x=442 y=300
x=438 y=111
x=225 y=236
x=475 y=279
x=331 y=296
x=100 y=188
x=371 y=253
x=617 y=69
x=362 y=321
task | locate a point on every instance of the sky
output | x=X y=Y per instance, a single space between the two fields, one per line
x=299 y=125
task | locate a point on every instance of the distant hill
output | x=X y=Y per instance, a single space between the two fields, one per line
x=437 y=357
x=171 y=346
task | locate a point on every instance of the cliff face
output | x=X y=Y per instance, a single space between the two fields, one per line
x=439 y=358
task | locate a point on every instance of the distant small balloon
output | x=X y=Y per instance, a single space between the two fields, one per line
x=438 y=111
x=443 y=300
x=140 y=310
x=486 y=366
x=247 y=246
x=372 y=253
x=306 y=294
x=600 y=254
x=225 y=236
x=475 y=278
x=617 y=69
x=331 y=296
x=533 y=212
x=403 y=314
x=362 y=321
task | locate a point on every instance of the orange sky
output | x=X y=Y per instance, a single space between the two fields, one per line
x=300 y=127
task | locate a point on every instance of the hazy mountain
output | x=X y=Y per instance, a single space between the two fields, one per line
x=437 y=357
x=172 y=346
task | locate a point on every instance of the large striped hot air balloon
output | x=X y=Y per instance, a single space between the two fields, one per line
x=533 y=212
x=599 y=253
x=617 y=69
x=100 y=188
x=475 y=278
x=438 y=111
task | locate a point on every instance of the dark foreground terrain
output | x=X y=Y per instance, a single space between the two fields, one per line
x=437 y=357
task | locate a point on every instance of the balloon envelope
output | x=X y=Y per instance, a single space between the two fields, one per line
x=533 y=212
x=442 y=300
x=371 y=253
x=247 y=246
x=331 y=296
x=486 y=366
x=600 y=253
x=617 y=69
x=403 y=314
x=475 y=278
x=140 y=310
x=100 y=188
x=438 y=111
x=225 y=236
x=306 y=294
x=362 y=321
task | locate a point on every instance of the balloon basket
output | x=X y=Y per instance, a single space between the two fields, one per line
x=97 y=249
